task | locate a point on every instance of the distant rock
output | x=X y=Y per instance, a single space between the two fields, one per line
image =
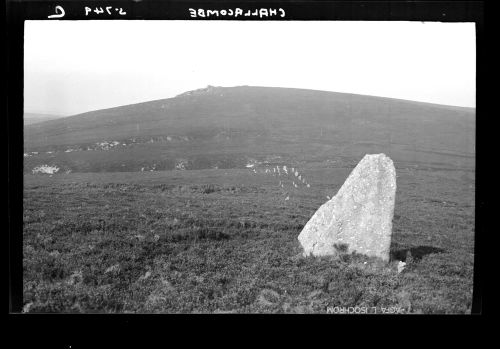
x=359 y=218
x=200 y=91
x=76 y=278
x=27 y=307
x=268 y=297
x=45 y=169
x=113 y=269
x=145 y=276
x=401 y=266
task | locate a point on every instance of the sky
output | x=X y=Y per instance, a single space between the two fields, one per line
x=72 y=67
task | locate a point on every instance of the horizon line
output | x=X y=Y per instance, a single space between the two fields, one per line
x=253 y=86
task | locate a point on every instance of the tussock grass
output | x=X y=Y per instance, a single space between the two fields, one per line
x=117 y=245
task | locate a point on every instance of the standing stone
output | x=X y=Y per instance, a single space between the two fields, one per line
x=359 y=218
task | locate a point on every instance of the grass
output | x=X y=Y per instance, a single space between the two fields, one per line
x=217 y=241
x=102 y=236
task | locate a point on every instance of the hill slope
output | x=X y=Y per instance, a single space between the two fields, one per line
x=34 y=118
x=219 y=127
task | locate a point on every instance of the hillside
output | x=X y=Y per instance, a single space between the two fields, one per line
x=229 y=127
x=34 y=118
x=123 y=233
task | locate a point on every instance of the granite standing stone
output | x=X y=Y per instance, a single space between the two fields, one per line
x=359 y=218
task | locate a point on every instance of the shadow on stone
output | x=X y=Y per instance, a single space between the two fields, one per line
x=417 y=253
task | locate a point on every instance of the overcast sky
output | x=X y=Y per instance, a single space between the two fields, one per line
x=77 y=66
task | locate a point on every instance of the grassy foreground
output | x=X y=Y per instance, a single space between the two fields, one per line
x=214 y=241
